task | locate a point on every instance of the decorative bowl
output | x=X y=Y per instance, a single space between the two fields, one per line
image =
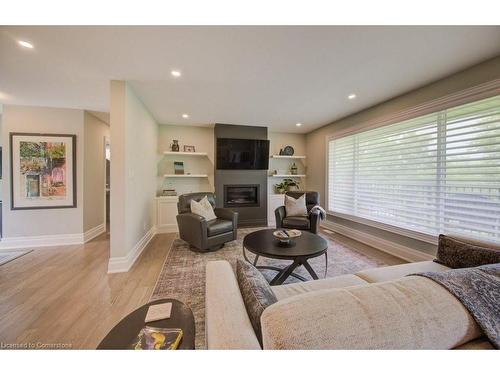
x=285 y=236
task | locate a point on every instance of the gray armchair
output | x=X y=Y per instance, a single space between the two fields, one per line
x=200 y=233
x=309 y=223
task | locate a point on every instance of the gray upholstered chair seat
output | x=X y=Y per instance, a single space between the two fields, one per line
x=296 y=222
x=218 y=226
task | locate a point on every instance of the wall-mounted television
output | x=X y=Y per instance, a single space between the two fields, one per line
x=242 y=153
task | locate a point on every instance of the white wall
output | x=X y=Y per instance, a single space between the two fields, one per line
x=203 y=140
x=278 y=141
x=42 y=222
x=95 y=131
x=134 y=150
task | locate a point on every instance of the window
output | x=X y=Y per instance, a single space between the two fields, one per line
x=438 y=173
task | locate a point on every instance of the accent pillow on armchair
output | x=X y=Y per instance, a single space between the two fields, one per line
x=203 y=208
x=295 y=207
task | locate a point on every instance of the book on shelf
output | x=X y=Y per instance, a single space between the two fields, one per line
x=155 y=338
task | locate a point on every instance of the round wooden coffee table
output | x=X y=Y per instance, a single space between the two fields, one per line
x=126 y=331
x=262 y=243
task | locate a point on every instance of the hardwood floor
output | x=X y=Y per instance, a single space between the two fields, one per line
x=63 y=295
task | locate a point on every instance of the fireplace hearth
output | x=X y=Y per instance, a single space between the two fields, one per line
x=241 y=195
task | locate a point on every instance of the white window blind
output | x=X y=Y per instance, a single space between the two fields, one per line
x=438 y=173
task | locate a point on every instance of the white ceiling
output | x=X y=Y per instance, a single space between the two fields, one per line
x=268 y=76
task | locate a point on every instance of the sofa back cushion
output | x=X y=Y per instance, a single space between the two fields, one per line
x=256 y=292
x=461 y=253
x=409 y=313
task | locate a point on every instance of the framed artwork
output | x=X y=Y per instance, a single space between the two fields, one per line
x=188 y=148
x=42 y=171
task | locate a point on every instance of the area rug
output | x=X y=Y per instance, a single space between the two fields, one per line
x=11 y=255
x=183 y=273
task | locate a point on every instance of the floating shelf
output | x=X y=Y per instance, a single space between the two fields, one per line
x=186 y=175
x=287 y=175
x=185 y=153
x=288 y=156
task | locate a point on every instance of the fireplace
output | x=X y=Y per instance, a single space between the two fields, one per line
x=241 y=196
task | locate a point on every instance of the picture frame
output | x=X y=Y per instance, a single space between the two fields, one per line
x=188 y=148
x=42 y=171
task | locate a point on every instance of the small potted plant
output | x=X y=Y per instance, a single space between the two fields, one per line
x=286 y=185
x=292 y=185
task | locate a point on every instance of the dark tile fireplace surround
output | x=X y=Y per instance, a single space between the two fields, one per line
x=244 y=191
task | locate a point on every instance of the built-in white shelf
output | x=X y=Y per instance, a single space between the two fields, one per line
x=287 y=175
x=183 y=153
x=288 y=156
x=186 y=175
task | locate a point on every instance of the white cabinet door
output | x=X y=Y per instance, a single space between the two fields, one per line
x=273 y=202
x=166 y=212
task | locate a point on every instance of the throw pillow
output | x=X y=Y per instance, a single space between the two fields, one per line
x=295 y=207
x=203 y=208
x=256 y=293
x=454 y=253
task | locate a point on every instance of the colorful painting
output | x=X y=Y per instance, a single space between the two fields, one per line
x=43 y=171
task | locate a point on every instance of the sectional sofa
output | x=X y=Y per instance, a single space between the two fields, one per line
x=380 y=308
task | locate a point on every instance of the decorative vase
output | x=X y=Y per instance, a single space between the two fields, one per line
x=293 y=169
x=175 y=146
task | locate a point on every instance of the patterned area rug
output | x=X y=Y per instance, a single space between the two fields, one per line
x=183 y=274
x=11 y=255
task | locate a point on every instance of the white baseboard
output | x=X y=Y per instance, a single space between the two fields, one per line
x=94 y=232
x=400 y=251
x=41 y=241
x=167 y=228
x=125 y=263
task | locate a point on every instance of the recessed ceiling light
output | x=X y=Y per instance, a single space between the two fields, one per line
x=298 y=124
x=25 y=44
x=351 y=96
x=185 y=115
x=175 y=73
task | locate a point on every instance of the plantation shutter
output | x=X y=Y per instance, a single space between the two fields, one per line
x=438 y=173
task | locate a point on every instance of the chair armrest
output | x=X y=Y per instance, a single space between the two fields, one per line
x=280 y=214
x=225 y=213
x=314 y=220
x=193 y=229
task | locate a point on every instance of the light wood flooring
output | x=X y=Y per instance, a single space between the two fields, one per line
x=63 y=295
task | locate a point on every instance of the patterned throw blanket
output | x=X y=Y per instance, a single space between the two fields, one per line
x=478 y=289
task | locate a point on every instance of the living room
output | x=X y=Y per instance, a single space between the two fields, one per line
x=263 y=188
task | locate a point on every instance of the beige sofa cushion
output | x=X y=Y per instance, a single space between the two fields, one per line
x=226 y=319
x=289 y=290
x=409 y=313
x=376 y=275
x=478 y=344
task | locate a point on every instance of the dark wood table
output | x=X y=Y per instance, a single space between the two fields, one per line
x=126 y=331
x=262 y=243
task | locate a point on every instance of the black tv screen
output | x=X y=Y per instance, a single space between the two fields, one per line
x=242 y=153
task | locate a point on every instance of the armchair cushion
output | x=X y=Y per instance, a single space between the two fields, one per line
x=203 y=208
x=218 y=226
x=297 y=222
x=295 y=206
